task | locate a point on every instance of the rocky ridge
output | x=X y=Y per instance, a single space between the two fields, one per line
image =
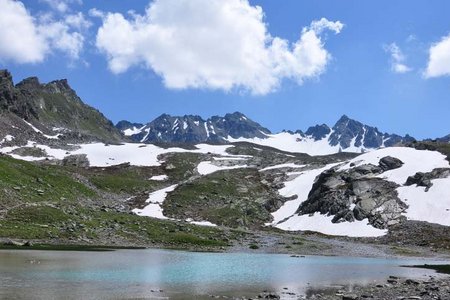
x=48 y=113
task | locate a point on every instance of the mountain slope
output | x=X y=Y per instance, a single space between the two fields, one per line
x=30 y=109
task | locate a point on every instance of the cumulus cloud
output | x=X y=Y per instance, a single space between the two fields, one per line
x=211 y=44
x=397 y=59
x=439 y=59
x=26 y=39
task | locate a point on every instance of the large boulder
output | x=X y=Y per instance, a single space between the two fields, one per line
x=390 y=163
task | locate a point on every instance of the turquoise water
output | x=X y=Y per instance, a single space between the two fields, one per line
x=182 y=275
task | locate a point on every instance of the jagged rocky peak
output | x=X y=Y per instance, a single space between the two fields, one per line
x=318 y=132
x=194 y=129
x=30 y=83
x=351 y=133
x=238 y=125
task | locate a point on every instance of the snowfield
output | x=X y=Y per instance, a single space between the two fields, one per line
x=322 y=223
x=289 y=142
x=432 y=206
x=102 y=155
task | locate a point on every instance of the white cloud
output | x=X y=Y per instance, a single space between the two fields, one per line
x=211 y=44
x=19 y=38
x=78 y=21
x=439 y=59
x=25 y=39
x=62 y=6
x=397 y=59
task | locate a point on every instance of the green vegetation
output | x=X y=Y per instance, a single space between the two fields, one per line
x=126 y=179
x=253 y=246
x=181 y=166
x=53 y=204
x=233 y=198
x=22 y=181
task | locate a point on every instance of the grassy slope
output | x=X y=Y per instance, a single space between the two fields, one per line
x=54 y=204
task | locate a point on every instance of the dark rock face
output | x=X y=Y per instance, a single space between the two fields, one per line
x=49 y=106
x=194 y=129
x=318 y=132
x=390 y=163
x=355 y=195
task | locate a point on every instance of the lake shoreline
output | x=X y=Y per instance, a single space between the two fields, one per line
x=393 y=288
x=270 y=242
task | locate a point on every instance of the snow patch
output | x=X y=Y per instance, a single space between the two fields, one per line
x=206 y=167
x=322 y=223
x=159 y=177
x=155 y=200
x=133 y=131
x=289 y=165
x=32 y=127
x=7 y=138
x=207 y=130
x=200 y=223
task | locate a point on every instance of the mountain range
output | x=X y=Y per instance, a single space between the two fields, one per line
x=346 y=134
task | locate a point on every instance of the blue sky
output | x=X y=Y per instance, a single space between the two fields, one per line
x=375 y=69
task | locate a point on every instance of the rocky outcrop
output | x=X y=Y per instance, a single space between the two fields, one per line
x=355 y=194
x=424 y=179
